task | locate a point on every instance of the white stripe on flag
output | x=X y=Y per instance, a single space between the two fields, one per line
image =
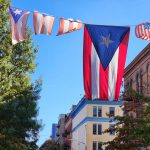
x=19 y=27
x=39 y=23
x=75 y=25
x=66 y=26
x=112 y=78
x=47 y=24
x=14 y=41
x=95 y=71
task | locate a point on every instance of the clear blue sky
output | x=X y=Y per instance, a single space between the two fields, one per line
x=60 y=57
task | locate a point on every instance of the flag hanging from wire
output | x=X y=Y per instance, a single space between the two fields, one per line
x=143 y=31
x=42 y=23
x=104 y=56
x=68 y=25
x=18 y=20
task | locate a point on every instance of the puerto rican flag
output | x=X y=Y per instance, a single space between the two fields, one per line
x=104 y=56
x=43 y=23
x=68 y=25
x=18 y=21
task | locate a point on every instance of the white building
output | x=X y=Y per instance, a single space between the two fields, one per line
x=89 y=119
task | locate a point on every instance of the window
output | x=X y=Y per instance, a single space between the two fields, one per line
x=112 y=129
x=148 y=78
x=94 y=145
x=99 y=111
x=141 y=82
x=99 y=129
x=97 y=145
x=100 y=146
x=94 y=111
x=137 y=83
x=112 y=111
x=94 y=129
x=131 y=81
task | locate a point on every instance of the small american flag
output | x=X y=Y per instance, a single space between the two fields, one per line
x=143 y=31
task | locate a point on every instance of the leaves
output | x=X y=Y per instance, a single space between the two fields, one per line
x=134 y=127
x=19 y=126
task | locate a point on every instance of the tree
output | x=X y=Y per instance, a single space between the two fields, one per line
x=133 y=128
x=19 y=127
x=50 y=145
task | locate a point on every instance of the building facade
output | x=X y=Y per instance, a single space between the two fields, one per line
x=61 y=129
x=89 y=120
x=137 y=73
x=68 y=134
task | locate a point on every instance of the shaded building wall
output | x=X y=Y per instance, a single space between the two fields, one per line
x=137 y=73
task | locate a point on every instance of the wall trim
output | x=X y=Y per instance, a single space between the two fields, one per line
x=91 y=119
x=84 y=102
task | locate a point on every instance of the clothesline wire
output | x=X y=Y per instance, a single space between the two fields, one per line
x=74 y=20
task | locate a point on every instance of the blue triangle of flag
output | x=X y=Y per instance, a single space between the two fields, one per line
x=16 y=13
x=106 y=40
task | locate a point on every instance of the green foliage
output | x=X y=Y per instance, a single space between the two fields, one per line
x=16 y=62
x=50 y=145
x=19 y=127
x=133 y=128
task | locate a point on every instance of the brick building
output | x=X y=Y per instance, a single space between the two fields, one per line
x=137 y=73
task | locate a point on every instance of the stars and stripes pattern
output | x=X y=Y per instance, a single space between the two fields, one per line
x=143 y=31
x=104 y=56
x=68 y=25
x=42 y=23
x=18 y=20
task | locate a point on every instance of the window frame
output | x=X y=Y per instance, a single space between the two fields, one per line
x=94 y=129
x=112 y=132
x=94 y=142
x=99 y=125
x=98 y=110
x=112 y=115
x=94 y=109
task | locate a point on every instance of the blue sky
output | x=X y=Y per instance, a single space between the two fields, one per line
x=60 y=57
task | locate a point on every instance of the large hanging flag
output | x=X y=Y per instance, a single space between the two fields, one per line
x=68 y=25
x=104 y=56
x=42 y=23
x=143 y=31
x=18 y=20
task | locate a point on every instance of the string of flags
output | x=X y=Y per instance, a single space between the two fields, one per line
x=43 y=24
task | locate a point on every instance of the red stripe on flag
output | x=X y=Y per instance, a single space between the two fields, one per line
x=87 y=64
x=103 y=83
x=16 y=33
x=61 y=27
x=35 y=22
x=23 y=30
x=70 y=26
x=121 y=63
x=79 y=26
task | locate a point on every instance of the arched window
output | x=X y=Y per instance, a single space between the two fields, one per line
x=131 y=81
x=137 y=83
x=141 y=82
x=148 y=78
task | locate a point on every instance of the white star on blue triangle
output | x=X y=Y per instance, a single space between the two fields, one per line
x=106 y=40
